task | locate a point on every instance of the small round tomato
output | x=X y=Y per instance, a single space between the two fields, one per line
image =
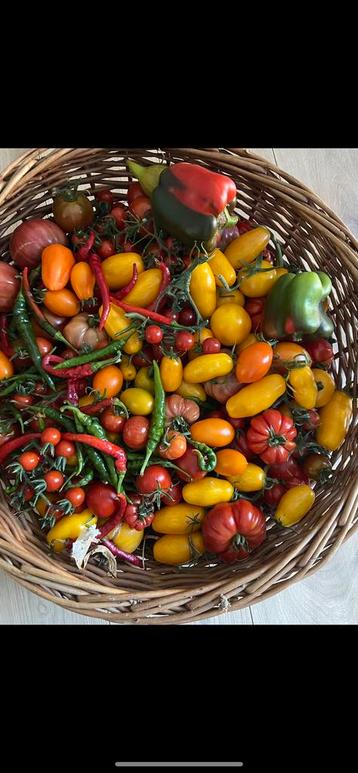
x=138 y=401
x=211 y=346
x=102 y=499
x=174 y=445
x=187 y=316
x=230 y=462
x=177 y=549
x=128 y=370
x=57 y=263
x=65 y=448
x=54 y=480
x=135 y=190
x=230 y=324
x=76 y=496
x=119 y=214
x=135 y=432
x=214 y=432
x=189 y=465
x=317 y=467
x=111 y=421
x=44 y=345
x=105 y=197
x=72 y=210
x=106 y=249
x=154 y=478
x=22 y=401
x=51 y=435
x=184 y=341
x=64 y=303
x=287 y=354
x=29 y=460
x=108 y=381
x=255 y=308
x=153 y=334
x=140 y=207
x=254 y=362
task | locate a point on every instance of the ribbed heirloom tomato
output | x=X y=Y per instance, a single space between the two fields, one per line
x=234 y=529
x=271 y=436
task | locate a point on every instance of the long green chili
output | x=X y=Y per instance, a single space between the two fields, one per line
x=25 y=330
x=93 y=427
x=157 y=424
x=82 y=359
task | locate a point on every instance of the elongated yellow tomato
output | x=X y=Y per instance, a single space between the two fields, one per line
x=248 y=246
x=203 y=289
x=255 y=398
x=144 y=381
x=230 y=324
x=221 y=266
x=305 y=390
x=118 y=323
x=208 y=492
x=208 y=366
x=178 y=519
x=259 y=283
x=325 y=385
x=118 y=269
x=336 y=417
x=215 y=433
x=177 y=549
x=171 y=373
x=230 y=463
x=6 y=367
x=294 y=505
x=125 y=538
x=252 y=479
x=224 y=296
x=138 y=401
x=69 y=527
x=128 y=369
x=192 y=391
x=146 y=289
x=199 y=337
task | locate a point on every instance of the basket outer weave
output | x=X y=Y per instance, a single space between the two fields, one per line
x=311 y=236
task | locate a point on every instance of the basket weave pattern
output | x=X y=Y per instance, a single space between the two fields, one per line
x=312 y=236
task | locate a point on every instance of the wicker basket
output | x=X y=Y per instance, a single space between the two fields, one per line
x=312 y=236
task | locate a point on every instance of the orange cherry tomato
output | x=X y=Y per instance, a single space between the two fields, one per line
x=83 y=281
x=230 y=462
x=214 y=432
x=62 y=302
x=254 y=362
x=57 y=262
x=175 y=446
x=108 y=381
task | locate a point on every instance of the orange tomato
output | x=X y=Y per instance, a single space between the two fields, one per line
x=57 y=262
x=230 y=462
x=83 y=281
x=62 y=303
x=214 y=432
x=108 y=381
x=171 y=373
x=6 y=366
x=254 y=362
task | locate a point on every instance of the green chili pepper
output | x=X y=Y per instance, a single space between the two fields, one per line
x=206 y=455
x=157 y=424
x=25 y=330
x=91 y=356
x=93 y=427
x=86 y=479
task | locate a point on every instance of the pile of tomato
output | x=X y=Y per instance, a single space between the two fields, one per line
x=119 y=343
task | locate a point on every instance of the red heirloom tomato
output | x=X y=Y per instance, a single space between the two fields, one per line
x=137 y=514
x=233 y=529
x=271 y=436
x=321 y=351
x=290 y=473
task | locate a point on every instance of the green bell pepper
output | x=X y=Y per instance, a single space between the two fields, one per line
x=294 y=307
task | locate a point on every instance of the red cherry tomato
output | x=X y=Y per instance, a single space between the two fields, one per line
x=154 y=478
x=106 y=249
x=76 y=496
x=119 y=213
x=187 y=316
x=54 y=480
x=65 y=448
x=135 y=190
x=112 y=422
x=29 y=460
x=153 y=334
x=211 y=346
x=135 y=432
x=184 y=341
x=22 y=400
x=51 y=435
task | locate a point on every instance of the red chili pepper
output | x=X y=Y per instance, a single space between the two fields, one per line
x=4 y=340
x=92 y=410
x=115 y=519
x=15 y=443
x=79 y=372
x=29 y=297
x=166 y=279
x=143 y=312
x=126 y=290
x=85 y=250
x=105 y=446
x=72 y=394
x=135 y=560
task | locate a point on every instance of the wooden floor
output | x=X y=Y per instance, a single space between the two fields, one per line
x=330 y=596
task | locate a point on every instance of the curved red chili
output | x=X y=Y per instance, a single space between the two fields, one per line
x=126 y=290
x=115 y=519
x=17 y=442
x=140 y=310
x=100 y=445
x=166 y=279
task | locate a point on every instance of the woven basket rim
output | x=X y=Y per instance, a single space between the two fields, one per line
x=29 y=169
